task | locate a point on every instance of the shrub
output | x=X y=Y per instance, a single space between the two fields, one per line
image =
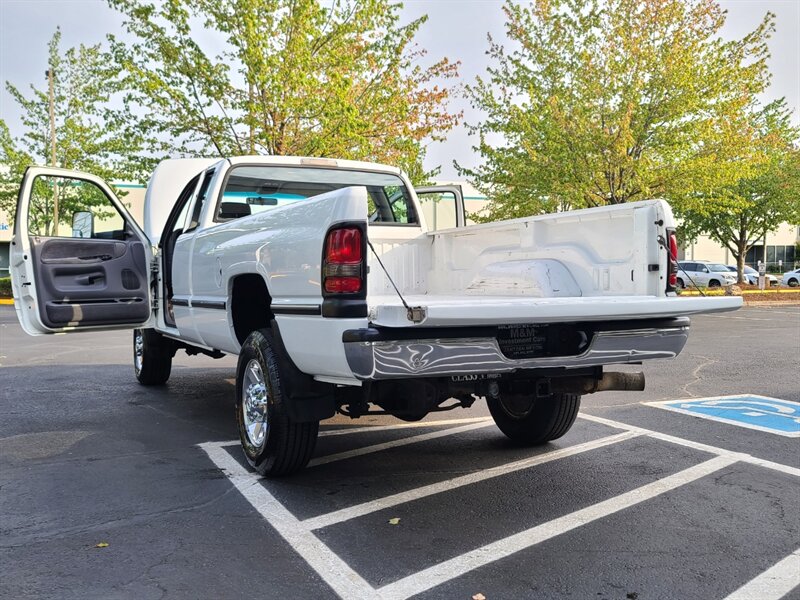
x=5 y=287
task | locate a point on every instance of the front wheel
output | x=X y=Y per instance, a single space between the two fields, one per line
x=152 y=356
x=714 y=283
x=793 y=282
x=273 y=444
x=531 y=421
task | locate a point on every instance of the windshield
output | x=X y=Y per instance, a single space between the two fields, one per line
x=254 y=189
x=717 y=268
x=750 y=271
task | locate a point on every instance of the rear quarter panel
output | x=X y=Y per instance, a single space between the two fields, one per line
x=283 y=245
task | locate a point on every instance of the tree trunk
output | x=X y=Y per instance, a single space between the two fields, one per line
x=740 y=263
x=741 y=245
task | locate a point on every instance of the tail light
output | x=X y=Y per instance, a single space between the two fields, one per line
x=343 y=264
x=672 y=260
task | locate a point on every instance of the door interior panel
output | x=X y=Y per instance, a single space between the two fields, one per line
x=90 y=282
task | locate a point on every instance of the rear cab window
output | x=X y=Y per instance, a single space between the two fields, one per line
x=252 y=189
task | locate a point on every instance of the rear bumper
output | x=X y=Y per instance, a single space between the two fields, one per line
x=399 y=353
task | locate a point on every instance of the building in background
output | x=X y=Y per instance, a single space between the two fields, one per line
x=777 y=249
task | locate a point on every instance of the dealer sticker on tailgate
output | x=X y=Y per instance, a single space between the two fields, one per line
x=522 y=341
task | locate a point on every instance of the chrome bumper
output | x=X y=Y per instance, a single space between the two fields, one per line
x=395 y=359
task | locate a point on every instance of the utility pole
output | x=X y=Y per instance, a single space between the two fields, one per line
x=50 y=82
x=250 y=117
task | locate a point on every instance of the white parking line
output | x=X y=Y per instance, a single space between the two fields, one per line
x=322 y=460
x=366 y=508
x=458 y=566
x=373 y=428
x=333 y=570
x=742 y=318
x=695 y=445
x=774 y=583
x=349 y=584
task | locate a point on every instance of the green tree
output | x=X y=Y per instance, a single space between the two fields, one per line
x=601 y=102
x=303 y=77
x=739 y=215
x=91 y=134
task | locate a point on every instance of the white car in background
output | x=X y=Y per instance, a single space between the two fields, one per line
x=792 y=278
x=751 y=275
x=701 y=273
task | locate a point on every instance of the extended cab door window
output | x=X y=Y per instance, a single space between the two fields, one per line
x=199 y=203
x=443 y=206
x=78 y=258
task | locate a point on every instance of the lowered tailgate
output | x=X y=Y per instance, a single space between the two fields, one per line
x=472 y=311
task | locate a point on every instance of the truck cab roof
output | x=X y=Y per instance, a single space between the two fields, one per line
x=173 y=174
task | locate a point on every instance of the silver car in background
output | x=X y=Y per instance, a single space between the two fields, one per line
x=792 y=278
x=700 y=273
x=751 y=275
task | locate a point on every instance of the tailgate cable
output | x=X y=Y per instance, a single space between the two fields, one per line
x=414 y=314
x=663 y=242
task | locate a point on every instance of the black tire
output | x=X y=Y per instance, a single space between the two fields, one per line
x=714 y=283
x=152 y=356
x=535 y=421
x=793 y=282
x=282 y=446
x=679 y=284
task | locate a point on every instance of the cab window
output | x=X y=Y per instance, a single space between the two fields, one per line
x=440 y=209
x=252 y=189
x=70 y=207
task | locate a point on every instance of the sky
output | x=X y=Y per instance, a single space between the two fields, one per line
x=455 y=28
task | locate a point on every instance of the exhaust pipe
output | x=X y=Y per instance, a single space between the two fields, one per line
x=626 y=382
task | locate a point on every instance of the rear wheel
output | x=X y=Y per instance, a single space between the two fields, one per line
x=152 y=356
x=679 y=284
x=273 y=444
x=531 y=421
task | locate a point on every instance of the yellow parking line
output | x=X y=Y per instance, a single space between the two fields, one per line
x=743 y=292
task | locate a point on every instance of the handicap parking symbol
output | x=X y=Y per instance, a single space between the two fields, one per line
x=754 y=412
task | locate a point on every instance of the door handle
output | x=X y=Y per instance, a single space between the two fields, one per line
x=96 y=257
x=89 y=279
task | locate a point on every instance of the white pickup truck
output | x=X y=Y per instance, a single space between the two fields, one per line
x=329 y=281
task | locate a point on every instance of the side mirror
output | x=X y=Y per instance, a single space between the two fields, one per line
x=82 y=224
x=705 y=269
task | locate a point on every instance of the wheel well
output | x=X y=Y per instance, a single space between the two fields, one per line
x=250 y=305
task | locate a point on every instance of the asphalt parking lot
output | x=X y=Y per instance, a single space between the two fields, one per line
x=634 y=503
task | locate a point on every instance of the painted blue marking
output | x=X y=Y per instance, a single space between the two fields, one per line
x=751 y=411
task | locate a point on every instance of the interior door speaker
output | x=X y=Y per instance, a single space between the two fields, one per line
x=130 y=281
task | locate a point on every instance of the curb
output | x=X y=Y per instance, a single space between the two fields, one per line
x=7 y=301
